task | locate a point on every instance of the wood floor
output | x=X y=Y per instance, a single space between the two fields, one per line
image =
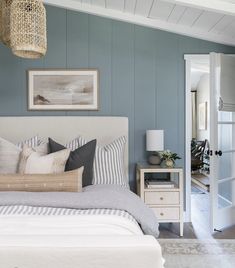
x=199 y=227
x=171 y=230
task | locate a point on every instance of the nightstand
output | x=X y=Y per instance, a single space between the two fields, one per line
x=165 y=200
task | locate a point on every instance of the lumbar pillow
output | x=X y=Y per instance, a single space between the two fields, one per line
x=70 y=181
x=109 y=165
x=33 y=162
x=10 y=153
x=82 y=156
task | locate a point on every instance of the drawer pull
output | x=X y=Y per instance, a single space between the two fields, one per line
x=162 y=214
x=161 y=198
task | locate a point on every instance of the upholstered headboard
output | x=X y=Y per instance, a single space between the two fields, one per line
x=65 y=128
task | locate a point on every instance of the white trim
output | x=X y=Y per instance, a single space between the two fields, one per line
x=188 y=135
x=188 y=130
x=140 y=20
x=218 y=6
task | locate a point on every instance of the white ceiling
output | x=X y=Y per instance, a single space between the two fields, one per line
x=212 y=20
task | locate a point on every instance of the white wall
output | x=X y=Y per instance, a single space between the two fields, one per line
x=203 y=89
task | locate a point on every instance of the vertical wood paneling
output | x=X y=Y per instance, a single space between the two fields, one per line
x=10 y=75
x=145 y=87
x=56 y=56
x=123 y=78
x=167 y=89
x=141 y=74
x=77 y=47
x=100 y=44
x=77 y=40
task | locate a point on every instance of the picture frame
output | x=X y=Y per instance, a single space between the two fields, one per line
x=63 y=89
x=202 y=116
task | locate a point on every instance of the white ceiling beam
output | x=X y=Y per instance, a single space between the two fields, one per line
x=140 y=20
x=219 y=6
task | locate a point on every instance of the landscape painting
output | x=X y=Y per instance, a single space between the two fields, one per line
x=63 y=89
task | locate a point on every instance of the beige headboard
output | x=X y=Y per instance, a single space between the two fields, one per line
x=65 y=128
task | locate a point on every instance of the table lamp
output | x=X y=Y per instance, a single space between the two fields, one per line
x=154 y=144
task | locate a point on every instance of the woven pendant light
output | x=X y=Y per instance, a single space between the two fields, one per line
x=6 y=9
x=28 y=29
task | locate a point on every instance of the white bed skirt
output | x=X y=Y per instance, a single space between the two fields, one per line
x=112 y=251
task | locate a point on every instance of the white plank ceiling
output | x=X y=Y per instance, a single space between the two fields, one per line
x=212 y=20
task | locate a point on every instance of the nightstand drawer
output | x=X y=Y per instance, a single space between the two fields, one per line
x=162 y=198
x=167 y=213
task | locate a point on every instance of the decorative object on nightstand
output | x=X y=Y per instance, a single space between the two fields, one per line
x=168 y=158
x=154 y=144
x=162 y=190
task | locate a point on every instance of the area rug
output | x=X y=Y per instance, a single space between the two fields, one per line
x=193 y=253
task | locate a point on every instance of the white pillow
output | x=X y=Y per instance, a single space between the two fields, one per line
x=33 y=162
x=109 y=165
x=9 y=154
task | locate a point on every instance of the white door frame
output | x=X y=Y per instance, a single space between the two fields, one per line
x=188 y=127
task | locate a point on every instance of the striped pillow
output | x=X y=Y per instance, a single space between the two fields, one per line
x=72 y=145
x=32 y=142
x=109 y=165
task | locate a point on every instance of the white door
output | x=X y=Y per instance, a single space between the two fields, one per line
x=222 y=140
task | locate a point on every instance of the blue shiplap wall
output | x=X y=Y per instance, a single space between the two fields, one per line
x=141 y=73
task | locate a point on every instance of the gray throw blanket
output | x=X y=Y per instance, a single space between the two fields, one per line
x=92 y=197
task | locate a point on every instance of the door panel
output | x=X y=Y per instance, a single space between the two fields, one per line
x=222 y=140
x=225 y=166
x=225 y=194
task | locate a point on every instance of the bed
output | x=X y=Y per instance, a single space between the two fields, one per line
x=68 y=230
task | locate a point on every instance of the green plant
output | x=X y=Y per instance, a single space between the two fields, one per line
x=168 y=155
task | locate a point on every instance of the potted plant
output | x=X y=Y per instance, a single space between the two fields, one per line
x=169 y=158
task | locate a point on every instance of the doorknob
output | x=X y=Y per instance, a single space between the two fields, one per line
x=209 y=152
x=219 y=153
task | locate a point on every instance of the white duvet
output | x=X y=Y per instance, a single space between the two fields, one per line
x=78 y=241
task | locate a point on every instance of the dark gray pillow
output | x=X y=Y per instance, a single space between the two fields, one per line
x=83 y=156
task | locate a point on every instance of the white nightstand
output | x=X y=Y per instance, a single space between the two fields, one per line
x=167 y=203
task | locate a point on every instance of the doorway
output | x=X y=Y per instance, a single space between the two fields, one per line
x=210 y=141
x=199 y=166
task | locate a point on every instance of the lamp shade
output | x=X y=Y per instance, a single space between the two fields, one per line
x=154 y=140
x=28 y=29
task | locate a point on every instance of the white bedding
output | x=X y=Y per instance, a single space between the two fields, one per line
x=86 y=241
x=68 y=225
x=135 y=251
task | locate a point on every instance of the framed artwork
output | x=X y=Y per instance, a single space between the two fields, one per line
x=202 y=116
x=63 y=89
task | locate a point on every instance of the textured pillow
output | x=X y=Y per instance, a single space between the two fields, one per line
x=33 y=162
x=82 y=156
x=70 y=181
x=9 y=154
x=109 y=165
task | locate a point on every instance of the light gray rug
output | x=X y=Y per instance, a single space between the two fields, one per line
x=193 y=253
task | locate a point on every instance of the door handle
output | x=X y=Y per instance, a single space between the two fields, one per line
x=209 y=152
x=219 y=153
